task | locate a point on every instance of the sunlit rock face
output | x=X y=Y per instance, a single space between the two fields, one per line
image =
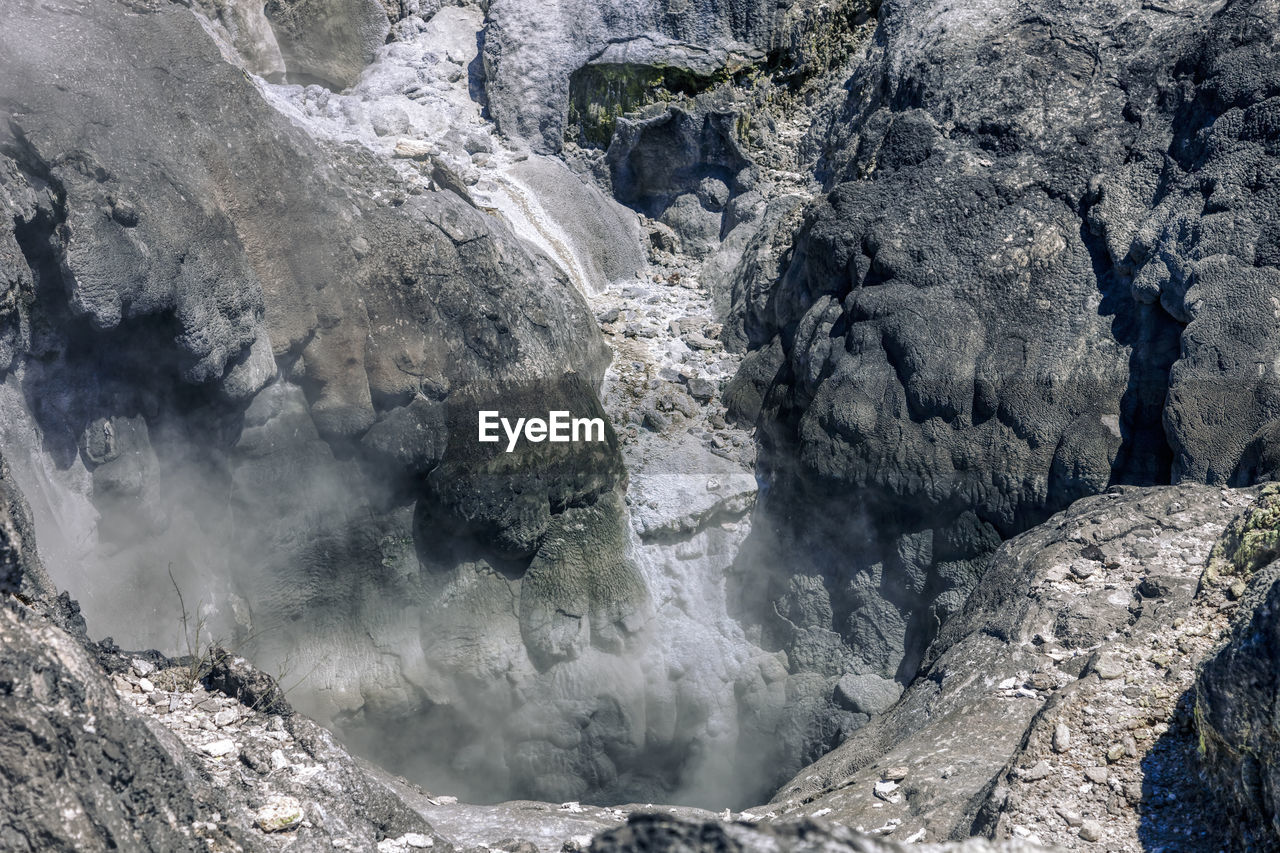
x=1040 y=270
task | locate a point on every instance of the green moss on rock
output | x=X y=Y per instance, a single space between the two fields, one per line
x=602 y=93
x=1251 y=541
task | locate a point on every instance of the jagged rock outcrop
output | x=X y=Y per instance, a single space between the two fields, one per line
x=80 y=772
x=253 y=361
x=1042 y=268
x=1055 y=705
x=532 y=49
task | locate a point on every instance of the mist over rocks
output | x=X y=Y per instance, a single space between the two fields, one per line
x=246 y=356
x=860 y=293
x=289 y=429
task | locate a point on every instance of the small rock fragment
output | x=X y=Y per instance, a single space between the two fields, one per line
x=280 y=813
x=1091 y=830
x=1071 y=818
x=218 y=748
x=895 y=774
x=1041 y=770
x=225 y=717
x=1108 y=668
x=1061 y=738
x=256 y=760
x=701 y=389
x=888 y=791
x=145 y=685
x=142 y=667
x=1097 y=775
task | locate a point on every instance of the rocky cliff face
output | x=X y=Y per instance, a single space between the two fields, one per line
x=1041 y=269
x=1235 y=690
x=249 y=327
x=967 y=266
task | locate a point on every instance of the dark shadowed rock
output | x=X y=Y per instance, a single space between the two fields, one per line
x=240 y=680
x=1040 y=271
x=1236 y=691
x=1049 y=637
x=653 y=832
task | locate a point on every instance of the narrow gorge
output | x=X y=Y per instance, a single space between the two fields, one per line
x=936 y=350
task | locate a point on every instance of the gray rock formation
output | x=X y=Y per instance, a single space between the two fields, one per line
x=1235 y=696
x=664 y=832
x=541 y=57
x=91 y=776
x=1039 y=271
x=254 y=361
x=1092 y=623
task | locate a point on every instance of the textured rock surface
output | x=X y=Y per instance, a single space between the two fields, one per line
x=1090 y=621
x=1042 y=269
x=531 y=49
x=1235 y=696
x=663 y=832
x=80 y=771
x=254 y=358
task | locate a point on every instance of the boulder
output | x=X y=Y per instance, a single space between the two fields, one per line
x=998 y=310
x=1051 y=638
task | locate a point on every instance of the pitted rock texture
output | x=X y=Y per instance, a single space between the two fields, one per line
x=1055 y=703
x=1041 y=269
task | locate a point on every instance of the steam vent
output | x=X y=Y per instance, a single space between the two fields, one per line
x=639 y=426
